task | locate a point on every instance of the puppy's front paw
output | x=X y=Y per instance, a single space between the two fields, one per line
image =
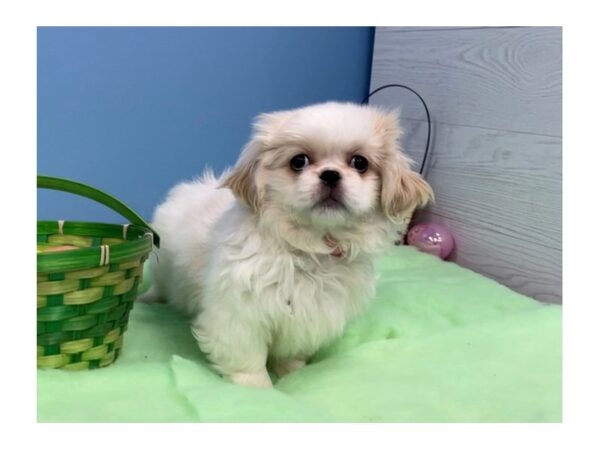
x=284 y=367
x=259 y=379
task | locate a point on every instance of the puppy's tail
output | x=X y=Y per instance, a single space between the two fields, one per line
x=149 y=292
x=151 y=296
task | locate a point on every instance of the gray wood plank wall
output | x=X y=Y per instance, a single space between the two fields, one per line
x=495 y=96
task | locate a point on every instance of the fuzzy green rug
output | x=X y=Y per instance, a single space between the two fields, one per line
x=439 y=344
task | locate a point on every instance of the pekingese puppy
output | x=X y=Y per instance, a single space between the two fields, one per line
x=273 y=258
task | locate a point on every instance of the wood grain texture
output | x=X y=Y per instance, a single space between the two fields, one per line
x=496 y=162
x=499 y=78
x=498 y=193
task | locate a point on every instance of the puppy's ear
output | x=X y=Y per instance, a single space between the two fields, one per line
x=402 y=190
x=244 y=180
x=242 y=183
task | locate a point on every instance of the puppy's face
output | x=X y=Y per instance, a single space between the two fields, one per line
x=328 y=165
x=326 y=184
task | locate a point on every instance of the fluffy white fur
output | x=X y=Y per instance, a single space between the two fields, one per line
x=270 y=263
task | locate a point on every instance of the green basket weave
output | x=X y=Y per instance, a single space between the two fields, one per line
x=84 y=295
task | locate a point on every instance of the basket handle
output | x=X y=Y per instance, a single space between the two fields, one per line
x=73 y=187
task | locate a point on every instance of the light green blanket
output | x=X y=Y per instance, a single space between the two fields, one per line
x=439 y=344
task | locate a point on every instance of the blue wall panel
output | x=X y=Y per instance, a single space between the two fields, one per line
x=135 y=110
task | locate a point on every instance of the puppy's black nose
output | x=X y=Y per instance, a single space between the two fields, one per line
x=330 y=177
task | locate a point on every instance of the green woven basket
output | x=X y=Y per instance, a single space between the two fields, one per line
x=87 y=280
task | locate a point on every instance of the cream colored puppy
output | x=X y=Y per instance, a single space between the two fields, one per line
x=273 y=258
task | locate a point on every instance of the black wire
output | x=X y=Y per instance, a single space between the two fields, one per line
x=426 y=152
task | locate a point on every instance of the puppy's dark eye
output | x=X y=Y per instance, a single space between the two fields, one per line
x=359 y=163
x=299 y=162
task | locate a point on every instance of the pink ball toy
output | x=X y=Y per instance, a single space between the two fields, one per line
x=432 y=238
